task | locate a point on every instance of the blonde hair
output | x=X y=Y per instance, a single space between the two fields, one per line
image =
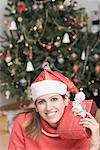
x=32 y=127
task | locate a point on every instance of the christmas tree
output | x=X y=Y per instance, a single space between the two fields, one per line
x=42 y=32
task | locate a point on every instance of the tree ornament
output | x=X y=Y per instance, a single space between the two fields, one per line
x=30 y=53
x=7 y=94
x=17 y=61
x=95 y=92
x=57 y=43
x=6 y=22
x=75 y=4
x=39 y=25
x=23 y=82
x=29 y=66
x=66 y=38
x=21 y=38
x=10 y=63
x=83 y=55
x=1 y=54
x=20 y=19
x=76 y=79
x=29 y=93
x=61 y=7
x=13 y=71
x=80 y=23
x=35 y=7
x=13 y=9
x=97 y=69
x=75 y=68
x=69 y=49
x=10 y=45
x=41 y=6
x=74 y=34
x=13 y=26
x=48 y=47
x=96 y=57
x=74 y=56
x=22 y=8
x=60 y=59
x=8 y=57
x=87 y=68
x=71 y=23
x=67 y=3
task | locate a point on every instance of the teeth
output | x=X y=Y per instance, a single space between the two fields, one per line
x=50 y=114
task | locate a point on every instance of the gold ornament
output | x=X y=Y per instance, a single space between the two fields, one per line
x=39 y=25
x=61 y=7
x=34 y=28
x=17 y=62
x=6 y=22
x=26 y=44
x=28 y=92
x=10 y=45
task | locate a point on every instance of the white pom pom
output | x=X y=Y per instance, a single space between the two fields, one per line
x=79 y=97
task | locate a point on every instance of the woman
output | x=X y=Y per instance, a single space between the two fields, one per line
x=38 y=129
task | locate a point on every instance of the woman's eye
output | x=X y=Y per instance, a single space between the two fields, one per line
x=54 y=99
x=41 y=102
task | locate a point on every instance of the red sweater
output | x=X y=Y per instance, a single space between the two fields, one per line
x=19 y=141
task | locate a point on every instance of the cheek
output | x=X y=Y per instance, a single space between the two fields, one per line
x=39 y=108
x=61 y=107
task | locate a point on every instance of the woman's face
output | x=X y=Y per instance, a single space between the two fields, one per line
x=51 y=108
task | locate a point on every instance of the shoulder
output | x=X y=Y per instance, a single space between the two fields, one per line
x=23 y=117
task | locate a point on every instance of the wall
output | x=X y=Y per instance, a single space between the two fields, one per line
x=90 y=5
x=3 y=3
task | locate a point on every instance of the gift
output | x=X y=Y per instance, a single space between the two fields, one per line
x=70 y=127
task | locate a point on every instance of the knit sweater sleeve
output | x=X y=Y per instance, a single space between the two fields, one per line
x=16 y=140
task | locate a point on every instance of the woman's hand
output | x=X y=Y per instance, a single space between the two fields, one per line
x=91 y=123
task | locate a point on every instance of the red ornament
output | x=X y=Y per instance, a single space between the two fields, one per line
x=8 y=56
x=97 y=69
x=39 y=29
x=49 y=47
x=74 y=56
x=80 y=23
x=77 y=79
x=25 y=52
x=71 y=22
x=75 y=68
x=22 y=8
x=30 y=53
x=1 y=54
x=69 y=49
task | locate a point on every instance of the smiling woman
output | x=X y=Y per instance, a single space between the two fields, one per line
x=51 y=108
x=40 y=127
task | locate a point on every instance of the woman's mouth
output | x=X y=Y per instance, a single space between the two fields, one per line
x=51 y=114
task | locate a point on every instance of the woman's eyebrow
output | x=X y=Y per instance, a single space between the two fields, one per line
x=54 y=96
x=40 y=99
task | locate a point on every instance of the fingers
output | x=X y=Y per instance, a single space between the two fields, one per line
x=89 y=115
x=90 y=122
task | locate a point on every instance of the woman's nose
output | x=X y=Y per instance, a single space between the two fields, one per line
x=48 y=106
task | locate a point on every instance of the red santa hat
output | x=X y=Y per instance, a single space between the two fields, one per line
x=49 y=82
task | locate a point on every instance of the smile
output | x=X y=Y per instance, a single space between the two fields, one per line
x=51 y=114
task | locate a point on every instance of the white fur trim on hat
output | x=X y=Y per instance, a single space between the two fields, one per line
x=47 y=87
